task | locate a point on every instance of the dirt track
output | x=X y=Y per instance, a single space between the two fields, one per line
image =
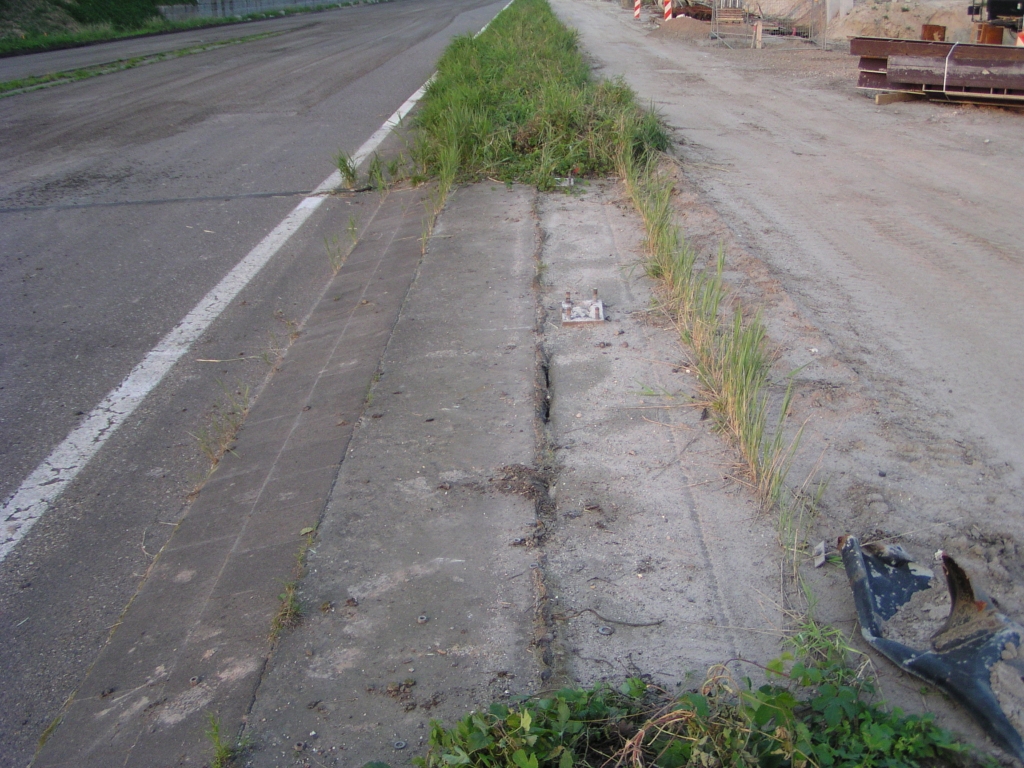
x=885 y=246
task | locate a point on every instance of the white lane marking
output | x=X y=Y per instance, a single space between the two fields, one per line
x=42 y=487
x=485 y=26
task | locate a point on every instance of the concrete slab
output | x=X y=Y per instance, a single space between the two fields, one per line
x=657 y=557
x=194 y=640
x=445 y=574
x=417 y=604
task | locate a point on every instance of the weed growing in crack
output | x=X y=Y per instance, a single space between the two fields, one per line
x=289 y=613
x=352 y=230
x=375 y=173
x=347 y=169
x=338 y=252
x=215 y=437
x=291 y=325
x=335 y=253
x=273 y=352
x=368 y=399
x=225 y=753
x=541 y=272
x=427 y=226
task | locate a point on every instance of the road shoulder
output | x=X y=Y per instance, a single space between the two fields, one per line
x=194 y=640
x=418 y=603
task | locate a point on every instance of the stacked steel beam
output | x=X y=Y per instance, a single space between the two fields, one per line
x=941 y=70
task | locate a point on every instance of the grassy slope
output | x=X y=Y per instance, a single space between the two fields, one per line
x=53 y=22
x=34 y=18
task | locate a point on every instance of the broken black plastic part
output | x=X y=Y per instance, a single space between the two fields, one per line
x=963 y=652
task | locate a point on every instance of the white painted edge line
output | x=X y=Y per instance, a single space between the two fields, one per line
x=42 y=487
x=485 y=26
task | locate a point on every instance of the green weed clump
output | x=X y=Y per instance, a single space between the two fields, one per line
x=517 y=104
x=816 y=712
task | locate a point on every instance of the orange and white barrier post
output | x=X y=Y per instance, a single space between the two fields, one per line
x=636 y=9
x=668 y=10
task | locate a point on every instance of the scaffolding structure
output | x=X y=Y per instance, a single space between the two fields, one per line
x=750 y=23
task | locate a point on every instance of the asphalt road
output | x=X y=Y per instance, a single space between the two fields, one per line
x=123 y=200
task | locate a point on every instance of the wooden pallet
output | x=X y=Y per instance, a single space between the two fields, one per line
x=730 y=16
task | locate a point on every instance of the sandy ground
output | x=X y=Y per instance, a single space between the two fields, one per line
x=904 y=20
x=884 y=248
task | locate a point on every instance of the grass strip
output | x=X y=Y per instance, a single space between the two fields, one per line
x=730 y=350
x=14 y=87
x=517 y=104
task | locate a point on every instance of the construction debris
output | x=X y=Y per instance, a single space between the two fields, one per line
x=974 y=655
x=587 y=312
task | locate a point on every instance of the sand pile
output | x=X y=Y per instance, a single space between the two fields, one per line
x=904 y=20
x=683 y=28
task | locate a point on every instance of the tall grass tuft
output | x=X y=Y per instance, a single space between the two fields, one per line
x=731 y=354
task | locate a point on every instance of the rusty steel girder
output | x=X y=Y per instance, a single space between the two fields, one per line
x=942 y=70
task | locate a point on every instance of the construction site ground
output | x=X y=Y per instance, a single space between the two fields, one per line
x=882 y=246
x=523 y=504
x=613 y=535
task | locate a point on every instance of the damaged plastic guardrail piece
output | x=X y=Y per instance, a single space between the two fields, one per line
x=975 y=655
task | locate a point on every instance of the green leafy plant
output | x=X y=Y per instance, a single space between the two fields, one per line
x=562 y=729
x=816 y=712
